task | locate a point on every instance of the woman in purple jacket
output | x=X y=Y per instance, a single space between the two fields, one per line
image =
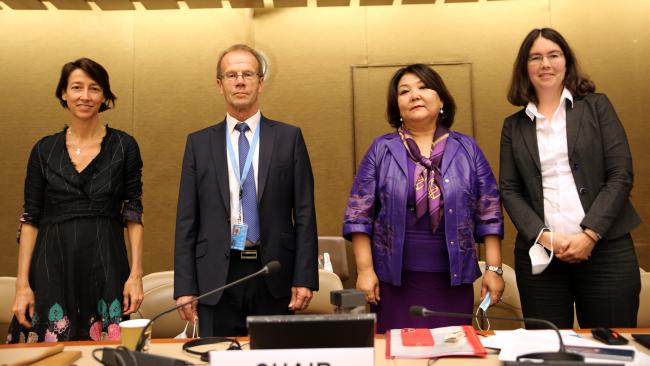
x=421 y=198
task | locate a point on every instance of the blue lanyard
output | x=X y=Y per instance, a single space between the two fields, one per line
x=249 y=158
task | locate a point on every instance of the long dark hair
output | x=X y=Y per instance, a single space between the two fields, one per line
x=521 y=90
x=431 y=80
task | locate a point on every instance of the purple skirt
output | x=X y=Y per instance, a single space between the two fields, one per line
x=432 y=290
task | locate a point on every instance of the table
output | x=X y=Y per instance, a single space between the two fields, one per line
x=172 y=348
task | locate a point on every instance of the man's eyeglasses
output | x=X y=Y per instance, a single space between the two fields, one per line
x=233 y=76
x=553 y=57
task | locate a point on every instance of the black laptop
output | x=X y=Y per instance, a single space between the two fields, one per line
x=311 y=331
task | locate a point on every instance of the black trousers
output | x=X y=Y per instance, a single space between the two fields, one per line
x=228 y=316
x=605 y=288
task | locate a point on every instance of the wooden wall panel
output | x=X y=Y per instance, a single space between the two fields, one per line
x=310 y=52
x=175 y=94
x=162 y=69
x=615 y=53
x=35 y=45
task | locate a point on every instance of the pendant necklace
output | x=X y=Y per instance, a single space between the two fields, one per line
x=77 y=148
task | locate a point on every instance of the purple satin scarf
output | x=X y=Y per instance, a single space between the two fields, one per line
x=427 y=175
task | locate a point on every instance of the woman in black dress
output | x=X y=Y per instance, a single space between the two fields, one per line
x=83 y=187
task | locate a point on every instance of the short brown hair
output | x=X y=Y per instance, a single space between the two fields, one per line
x=261 y=61
x=95 y=71
x=521 y=90
x=431 y=80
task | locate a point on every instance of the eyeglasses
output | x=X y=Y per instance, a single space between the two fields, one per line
x=553 y=57
x=233 y=76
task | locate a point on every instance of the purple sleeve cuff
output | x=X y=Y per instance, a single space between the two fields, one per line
x=132 y=211
x=25 y=218
x=351 y=228
x=489 y=229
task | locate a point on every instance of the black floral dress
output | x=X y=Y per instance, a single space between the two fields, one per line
x=79 y=264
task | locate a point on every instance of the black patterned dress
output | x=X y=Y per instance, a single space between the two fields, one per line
x=79 y=264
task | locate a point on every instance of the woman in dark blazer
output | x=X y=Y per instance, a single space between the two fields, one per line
x=565 y=179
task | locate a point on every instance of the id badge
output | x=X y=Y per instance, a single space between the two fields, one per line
x=238 y=236
x=485 y=304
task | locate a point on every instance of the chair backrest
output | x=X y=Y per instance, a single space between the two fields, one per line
x=510 y=305
x=643 y=317
x=336 y=247
x=7 y=294
x=156 y=279
x=320 y=302
x=158 y=296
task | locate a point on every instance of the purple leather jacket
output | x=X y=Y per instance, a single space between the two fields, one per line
x=378 y=203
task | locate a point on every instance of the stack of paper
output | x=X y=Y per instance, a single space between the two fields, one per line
x=447 y=341
x=518 y=342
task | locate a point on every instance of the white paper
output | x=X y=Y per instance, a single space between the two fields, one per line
x=548 y=337
x=519 y=342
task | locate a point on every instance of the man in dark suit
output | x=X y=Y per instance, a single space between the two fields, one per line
x=227 y=227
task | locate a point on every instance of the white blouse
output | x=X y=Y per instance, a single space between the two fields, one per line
x=563 y=211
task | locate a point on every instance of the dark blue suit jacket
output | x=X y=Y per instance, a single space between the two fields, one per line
x=286 y=208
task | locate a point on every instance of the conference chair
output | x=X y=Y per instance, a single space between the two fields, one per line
x=509 y=306
x=320 y=302
x=336 y=247
x=153 y=280
x=643 y=317
x=7 y=294
x=158 y=296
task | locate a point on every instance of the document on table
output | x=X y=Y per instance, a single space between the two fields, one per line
x=513 y=343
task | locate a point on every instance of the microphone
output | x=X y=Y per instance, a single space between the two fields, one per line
x=269 y=268
x=140 y=358
x=560 y=355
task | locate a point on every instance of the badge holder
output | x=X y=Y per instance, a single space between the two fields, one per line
x=483 y=307
x=239 y=232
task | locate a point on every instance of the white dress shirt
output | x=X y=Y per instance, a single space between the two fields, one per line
x=233 y=180
x=563 y=211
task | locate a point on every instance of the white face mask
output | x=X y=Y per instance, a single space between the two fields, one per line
x=485 y=304
x=195 y=330
x=539 y=258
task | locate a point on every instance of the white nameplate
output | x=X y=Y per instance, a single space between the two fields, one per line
x=364 y=356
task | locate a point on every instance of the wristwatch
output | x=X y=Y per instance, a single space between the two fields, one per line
x=498 y=270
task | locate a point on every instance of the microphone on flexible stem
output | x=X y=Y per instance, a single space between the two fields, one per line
x=560 y=355
x=269 y=268
x=139 y=358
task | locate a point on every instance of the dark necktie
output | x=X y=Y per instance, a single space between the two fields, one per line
x=249 y=194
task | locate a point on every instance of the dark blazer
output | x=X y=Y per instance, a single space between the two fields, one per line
x=286 y=207
x=600 y=161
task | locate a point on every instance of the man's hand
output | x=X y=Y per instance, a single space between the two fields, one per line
x=187 y=312
x=300 y=297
